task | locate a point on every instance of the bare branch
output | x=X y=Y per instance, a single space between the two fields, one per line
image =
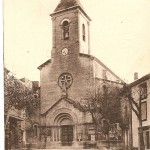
x=128 y=94
x=130 y=98
x=136 y=112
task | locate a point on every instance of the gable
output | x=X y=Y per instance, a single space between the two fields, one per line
x=62 y=108
x=65 y=103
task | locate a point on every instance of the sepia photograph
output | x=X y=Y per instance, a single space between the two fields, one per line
x=76 y=74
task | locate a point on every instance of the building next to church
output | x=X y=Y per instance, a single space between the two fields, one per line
x=141 y=94
x=67 y=77
x=21 y=129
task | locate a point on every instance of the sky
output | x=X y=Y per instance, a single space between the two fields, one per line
x=120 y=35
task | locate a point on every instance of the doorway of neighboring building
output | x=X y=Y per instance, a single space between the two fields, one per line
x=67 y=135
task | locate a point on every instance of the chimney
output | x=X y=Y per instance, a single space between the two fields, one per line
x=135 y=76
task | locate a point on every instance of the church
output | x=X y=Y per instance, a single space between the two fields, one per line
x=66 y=78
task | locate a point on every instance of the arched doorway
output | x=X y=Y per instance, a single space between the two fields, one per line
x=65 y=121
x=66 y=132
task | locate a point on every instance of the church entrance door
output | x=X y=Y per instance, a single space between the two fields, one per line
x=67 y=135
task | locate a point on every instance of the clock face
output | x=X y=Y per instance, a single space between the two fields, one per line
x=64 y=51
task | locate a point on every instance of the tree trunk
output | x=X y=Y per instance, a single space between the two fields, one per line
x=108 y=141
x=7 y=120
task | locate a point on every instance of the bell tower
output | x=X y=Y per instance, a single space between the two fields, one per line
x=70 y=68
x=70 y=29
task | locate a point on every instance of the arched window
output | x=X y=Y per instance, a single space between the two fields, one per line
x=83 y=32
x=35 y=129
x=65 y=27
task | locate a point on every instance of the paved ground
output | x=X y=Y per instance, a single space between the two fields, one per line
x=65 y=149
x=73 y=149
x=53 y=149
x=78 y=149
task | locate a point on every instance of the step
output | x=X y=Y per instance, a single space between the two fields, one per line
x=66 y=149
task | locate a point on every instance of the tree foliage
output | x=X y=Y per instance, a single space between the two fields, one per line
x=17 y=95
x=104 y=105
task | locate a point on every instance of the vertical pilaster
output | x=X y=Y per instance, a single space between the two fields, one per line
x=75 y=133
x=24 y=137
x=59 y=133
x=53 y=134
x=20 y=138
x=89 y=51
x=56 y=133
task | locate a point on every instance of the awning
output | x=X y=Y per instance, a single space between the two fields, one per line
x=16 y=117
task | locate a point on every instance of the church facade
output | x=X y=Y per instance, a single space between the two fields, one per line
x=67 y=77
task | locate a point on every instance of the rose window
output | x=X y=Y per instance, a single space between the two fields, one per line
x=65 y=80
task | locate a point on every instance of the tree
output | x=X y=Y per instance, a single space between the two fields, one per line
x=134 y=98
x=104 y=105
x=17 y=96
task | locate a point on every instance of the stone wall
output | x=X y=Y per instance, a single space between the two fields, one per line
x=81 y=71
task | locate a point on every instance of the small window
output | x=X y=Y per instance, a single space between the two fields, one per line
x=144 y=111
x=83 y=32
x=65 y=27
x=143 y=91
x=35 y=128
